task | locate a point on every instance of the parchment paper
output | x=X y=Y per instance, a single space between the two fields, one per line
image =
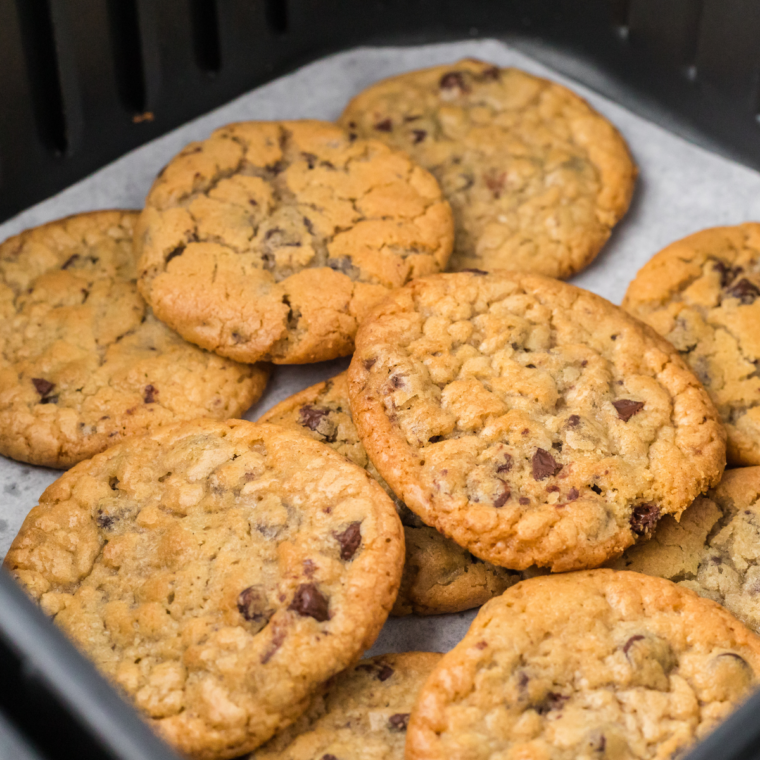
x=682 y=188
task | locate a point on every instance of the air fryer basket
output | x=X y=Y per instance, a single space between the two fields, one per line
x=84 y=81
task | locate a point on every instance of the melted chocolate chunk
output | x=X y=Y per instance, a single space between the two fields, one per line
x=385 y=672
x=628 y=644
x=150 y=394
x=349 y=540
x=502 y=498
x=745 y=291
x=544 y=465
x=399 y=721
x=386 y=125
x=253 y=605
x=644 y=518
x=727 y=273
x=43 y=387
x=310 y=416
x=626 y=408
x=418 y=135
x=454 y=80
x=553 y=701
x=479 y=272
x=309 y=602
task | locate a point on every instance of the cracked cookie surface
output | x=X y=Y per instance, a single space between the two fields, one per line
x=529 y=420
x=270 y=240
x=439 y=575
x=714 y=550
x=218 y=573
x=83 y=360
x=535 y=177
x=586 y=665
x=703 y=294
x=362 y=716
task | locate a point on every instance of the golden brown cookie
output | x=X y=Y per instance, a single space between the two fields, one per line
x=594 y=664
x=439 y=575
x=714 y=550
x=703 y=294
x=218 y=572
x=363 y=714
x=536 y=178
x=270 y=240
x=529 y=420
x=83 y=361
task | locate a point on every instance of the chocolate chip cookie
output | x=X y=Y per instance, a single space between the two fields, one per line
x=584 y=665
x=218 y=572
x=364 y=713
x=83 y=360
x=270 y=240
x=439 y=575
x=536 y=177
x=703 y=294
x=714 y=550
x=529 y=420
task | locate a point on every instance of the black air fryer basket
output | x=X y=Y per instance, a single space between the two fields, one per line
x=84 y=81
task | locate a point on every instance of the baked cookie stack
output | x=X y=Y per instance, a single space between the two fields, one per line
x=498 y=435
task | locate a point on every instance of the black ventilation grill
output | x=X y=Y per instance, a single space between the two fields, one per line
x=84 y=81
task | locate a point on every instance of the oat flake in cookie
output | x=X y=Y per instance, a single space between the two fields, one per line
x=364 y=713
x=703 y=294
x=536 y=177
x=529 y=420
x=439 y=575
x=270 y=240
x=714 y=550
x=219 y=573
x=83 y=361
x=586 y=665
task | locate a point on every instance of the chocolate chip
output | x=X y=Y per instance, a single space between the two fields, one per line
x=349 y=540
x=385 y=672
x=491 y=73
x=628 y=644
x=43 y=387
x=386 y=125
x=644 y=518
x=506 y=466
x=397 y=381
x=308 y=602
x=573 y=421
x=309 y=568
x=150 y=394
x=70 y=261
x=418 y=135
x=745 y=291
x=501 y=500
x=572 y=494
x=105 y=521
x=369 y=363
x=277 y=167
x=557 y=445
x=595 y=488
x=308 y=224
x=253 y=605
x=311 y=159
x=113 y=482
x=399 y=721
x=481 y=645
x=626 y=408
x=495 y=183
x=544 y=465
x=479 y=272
x=435 y=439
x=328 y=757
x=453 y=80
x=310 y=416
x=727 y=273
x=344 y=265
x=524 y=500
x=49 y=400
x=553 y=701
